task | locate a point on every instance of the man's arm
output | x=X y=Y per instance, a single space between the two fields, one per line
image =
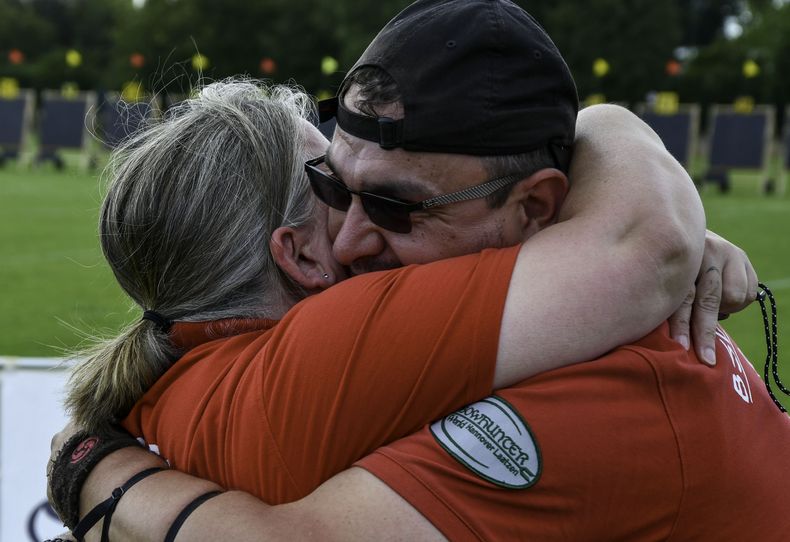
x=353 y=505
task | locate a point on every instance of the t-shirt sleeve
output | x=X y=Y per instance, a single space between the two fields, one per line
x=380 y=355
x=591 y=481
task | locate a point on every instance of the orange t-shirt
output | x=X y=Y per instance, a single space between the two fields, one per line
x=645 y=443
x=278 y=410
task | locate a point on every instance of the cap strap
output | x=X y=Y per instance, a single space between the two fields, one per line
x=387 y=132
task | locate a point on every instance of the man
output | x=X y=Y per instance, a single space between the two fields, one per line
x=394 y=133
x=378 y=247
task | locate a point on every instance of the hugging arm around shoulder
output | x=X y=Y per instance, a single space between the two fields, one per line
x=620 y=260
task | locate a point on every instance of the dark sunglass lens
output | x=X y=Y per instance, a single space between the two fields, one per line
x=385 y=214
x=329 y=190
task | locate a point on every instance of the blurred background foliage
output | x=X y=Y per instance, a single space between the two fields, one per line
x=698 y=48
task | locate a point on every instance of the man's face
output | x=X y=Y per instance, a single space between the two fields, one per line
x=442 y=232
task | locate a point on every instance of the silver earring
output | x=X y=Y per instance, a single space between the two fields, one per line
x=326 y=275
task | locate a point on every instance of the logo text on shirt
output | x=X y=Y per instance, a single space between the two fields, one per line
x=740 y=382
x=491 y=439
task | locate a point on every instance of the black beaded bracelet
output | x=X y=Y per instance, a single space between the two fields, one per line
x=73 y=464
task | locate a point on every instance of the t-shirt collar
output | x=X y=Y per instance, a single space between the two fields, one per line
x=188 y=335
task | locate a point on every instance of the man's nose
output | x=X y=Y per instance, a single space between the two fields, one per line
x=358 y=237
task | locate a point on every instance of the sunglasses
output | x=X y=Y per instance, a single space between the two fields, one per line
x=390 y=213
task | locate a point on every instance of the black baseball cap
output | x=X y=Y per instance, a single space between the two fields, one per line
x=476 y=77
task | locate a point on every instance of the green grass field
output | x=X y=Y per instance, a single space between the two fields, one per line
x=56 y=287
x=52 y=272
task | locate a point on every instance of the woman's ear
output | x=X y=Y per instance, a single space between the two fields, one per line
x=293 y=250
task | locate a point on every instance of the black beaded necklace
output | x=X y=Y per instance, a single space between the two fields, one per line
x=771 y=363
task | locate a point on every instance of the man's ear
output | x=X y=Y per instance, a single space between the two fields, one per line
x=540 y=197
x=294 y=253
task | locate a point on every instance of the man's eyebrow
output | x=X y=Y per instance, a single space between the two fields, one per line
x=405 y=189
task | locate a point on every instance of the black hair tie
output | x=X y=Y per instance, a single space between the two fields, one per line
x=771 y=361
x=160 y=321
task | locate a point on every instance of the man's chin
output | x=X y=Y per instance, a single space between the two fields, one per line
x=360 y=267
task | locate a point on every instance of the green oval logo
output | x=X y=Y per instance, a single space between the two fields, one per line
x=491 y=439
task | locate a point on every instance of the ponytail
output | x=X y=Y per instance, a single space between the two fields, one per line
x=114 y=374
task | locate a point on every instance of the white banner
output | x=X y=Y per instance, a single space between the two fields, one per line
x=31 y=395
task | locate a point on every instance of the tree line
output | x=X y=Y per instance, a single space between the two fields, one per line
x=708 y=51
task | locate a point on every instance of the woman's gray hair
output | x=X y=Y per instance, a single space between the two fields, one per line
x=185 y=226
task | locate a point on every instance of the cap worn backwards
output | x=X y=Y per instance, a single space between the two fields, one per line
x=475 y=77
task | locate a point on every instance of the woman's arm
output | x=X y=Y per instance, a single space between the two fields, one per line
x=726 y=283
x=621 y=259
